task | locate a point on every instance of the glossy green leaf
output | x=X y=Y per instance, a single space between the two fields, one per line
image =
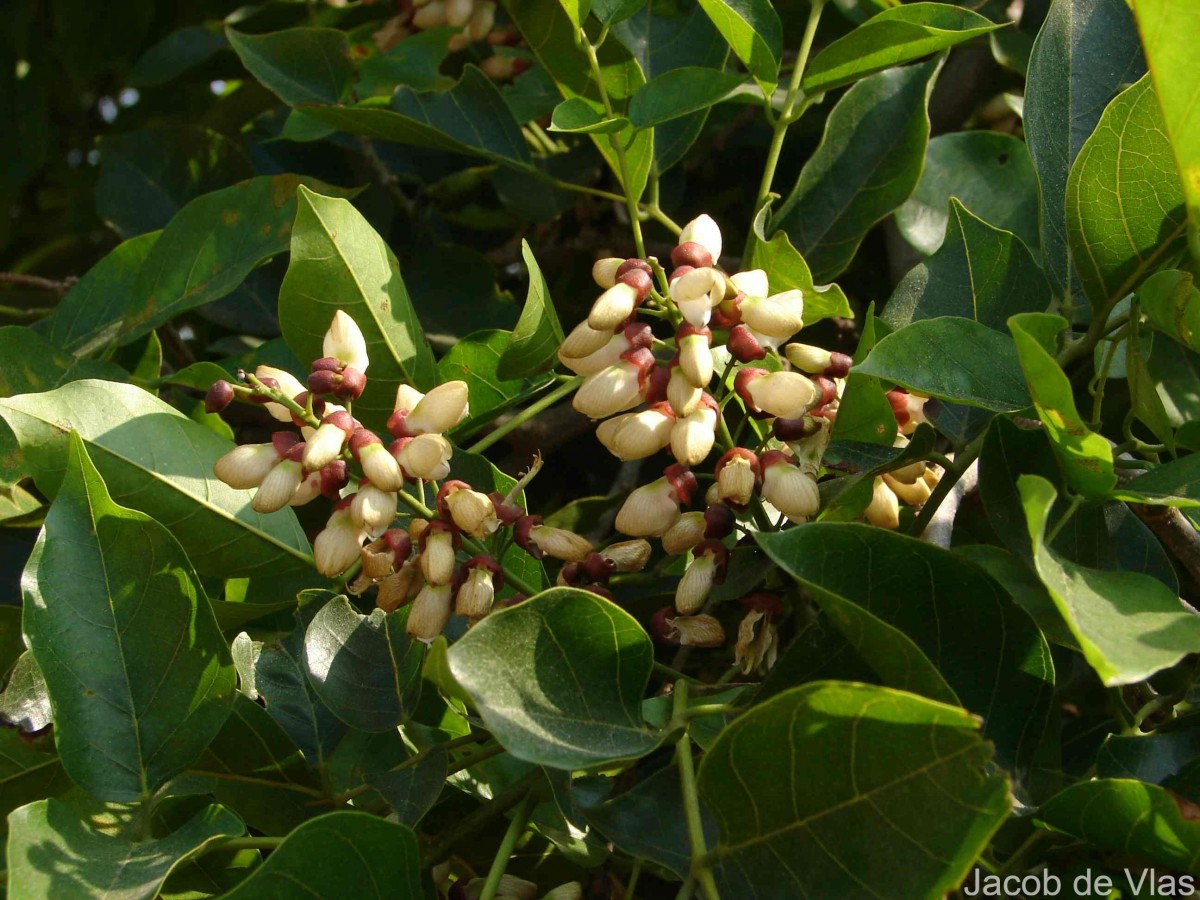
x=1167 y=29
x=366 y=669
x=1130 y=817
x=847 y=790
x=786 y=270
x=412 y=62
x=576 y=10
x=76 y=847
x=867 y=164
x=146 y=176
x=33 y=364
x=896 y=36
x=753 y=32
x=1085 y=52
x=1128 y=625
x=25 y=702
x=679 y=92
x=1172 y=302
x=413 y=787
x=932 y=598
x=342 y=854
x=339 y=262
x=156 y=689
x=559 y=679
x=533 y=346
x=1154 y=758
x=27 y=773
x=298 y=65
x=476 y=359
x=980 y=273
x=952 y=358
x=576 y=116
x=158 y=461
x=1022 y=584
x=1086 y=457
x=1124 y=205
x=990 y=173
x=1174 y=483
x=865 y=415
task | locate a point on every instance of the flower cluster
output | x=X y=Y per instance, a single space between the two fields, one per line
x=475 y=21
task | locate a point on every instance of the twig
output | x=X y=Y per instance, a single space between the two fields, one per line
x=467 y=826
x=1176 y=532
x=516 y=828
x=38 y=283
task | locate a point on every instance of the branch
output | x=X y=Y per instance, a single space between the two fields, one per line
x=1176 y=532
x=37 y=283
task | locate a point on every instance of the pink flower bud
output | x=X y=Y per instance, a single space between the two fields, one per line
x=219 y=396
x=345 y=342
x=338 y=544
x=795 y=429
x=286 y=383
x=373 y=509
x=613 y=307
x=430 y=612
x=686 y=533
x=328 y=440
x=351 y=384
x=656 y=384
x=697 y=631
x=634 y=263
x=744 y=346
x=884 y=510
x=627 y=556
x=791 y=491
x=426 y=456
x=705 y=232
x=583 y=341
x=788 y=395
x=278 y=486
x=692 y=436
x=604 y=271
x=718 y=521
x=560 y=543
x=437 y=553
x=695 y=354
x=334 y=477
x=246 y=466
x=690 y=253
x=682 y=394
x=640 y=281
x=637 y=435
x=779 y=316
x=616 y=388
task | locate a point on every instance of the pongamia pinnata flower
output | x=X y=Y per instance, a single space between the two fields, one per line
x=688 y=531
x=791 y=491
x=372 y=509
x=338 y=544
x=429 y=613
x=650 y=510
x=458 y=12
x=884 y=509
x=386 y=554
x=634 y=335
x=398 y=589
x=696 y=292
x=604 y=271
x=431 y=15
x=438 y=545
x=583 y=341
x=693 y=436
x=695 y=354
x=628 y=556
x=616 y=388
x=481 y=21
x=683 y=396
x=757 y=645
x=696 y=631
x=818 y=360
x=706 y=569
x=433 y=413
x=482 y=577
x=703 y=230
x=279 y=486
x=377 y=463
x=246 y=466
x=327 y=441
x=426 y=456
x=613 y=307
x=637 y=435
x=788 y=395
x=556 y=542
x=778 y=316
x=913 y=494
x=288 y=385
x=345 y=342
x=472 y=511
x=751 y=283
x=738 y=474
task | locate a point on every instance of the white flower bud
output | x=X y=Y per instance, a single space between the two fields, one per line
x=628 y=556
x=427 y=456
x=705 y=232
x=337 y=546
x=697 y=631
x=324 y=446
x=695 y=359
x=572 y=890
x=610 y=391
x=345 y=342
x=476 y=595
x=933 y=474
x=696 y=293
x=481 y=21
x=752 y=283
x=606 y=356
x=682 y=394
x=560 y=543
x=636 y=435
x=604 y=271
x=431 y=15
x=686 y=533
x=649 y=510
x=884 y=510
x=808 y=358
x=380 y=467
x=246 y=466
x=458 y=12
x=791 y=491
x=692 y=437
x=583 y=341
x=712 y=496
x=735 y=481
x=439 y=410
x=914 y=494
x=473 y=512
x=278 y=487
x=289 y=386
x=437 y=558
x=613 y=307
x=407 y=398
x=779 y=316
x=373 y=510
x=430 y=612
x=788 y=395
x=695 y=585
x=309 y=490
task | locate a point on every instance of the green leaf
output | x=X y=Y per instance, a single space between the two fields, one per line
x=752 y=30
x=158 y=461
x=559 y=679
x=679 y=92
x=786 y=270
x=1145 y=402
x=25 y=702
x=339 y=262
x=1128 y=625
x=77 y=847
x=298 y=65
x=342 y=854
x=179 y=51
x=838 y=789
x=1155 y=758
x=27 y=773
x=990 y=173
x=412 y=788
x=366 y=669
x=146 y=176
x=1129 y=817
x=576 y=10
x=412 y=62
x=1172 y=302
x=896 y=36
x=208 y=249
x=1174 y=483
x=1085 y=52
x=932 y=598
x=155 y=690
x=980 y=273
x=533 y=346
x=1086 y=457
x=476 y=359
x=867 y=164
x=952 y=358
x=1124 y=205
x=1167 y=29
x=576 y=116
x=865 y=415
